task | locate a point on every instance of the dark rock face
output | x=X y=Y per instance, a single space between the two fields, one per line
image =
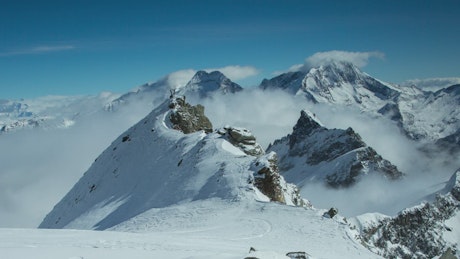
x=331 y=213
x=298 y=255
x=417 y=232
x=188 y=118
x=320 y=147
x=268 y=180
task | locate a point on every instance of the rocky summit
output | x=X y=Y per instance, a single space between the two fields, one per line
x=338 y=157
x=188 y=118
x=243 y=139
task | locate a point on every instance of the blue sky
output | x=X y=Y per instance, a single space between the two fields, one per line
x=85 y=47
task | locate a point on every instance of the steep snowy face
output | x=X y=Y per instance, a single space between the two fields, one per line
x=152 y=165
x=344 y=83
x=204 y=83
x=337 y=157
x=428 y=230
x=336 y=83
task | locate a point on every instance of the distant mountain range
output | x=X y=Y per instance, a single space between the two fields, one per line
x=422 y=115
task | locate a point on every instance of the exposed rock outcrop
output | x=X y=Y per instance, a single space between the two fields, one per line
x=188 y=118
x=243 y=139
x=268 y=180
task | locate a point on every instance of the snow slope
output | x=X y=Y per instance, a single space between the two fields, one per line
x=189 y=196
x=152 y=165
x=212 y=228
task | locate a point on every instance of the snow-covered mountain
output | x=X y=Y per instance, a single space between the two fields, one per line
x=428 y=230
x=337 y=157
x=426 y=116
x=64 y=111
x=216 y=186
x=335 y=83
x=202 y=84
x=154 y=165
x=49 y=112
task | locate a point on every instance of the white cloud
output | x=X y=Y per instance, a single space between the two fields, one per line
x=40 y=166
x=433 y=84
x=180 y=78
x=359 y=59
x=37 y=50
x=236 y=73
x=293 y=68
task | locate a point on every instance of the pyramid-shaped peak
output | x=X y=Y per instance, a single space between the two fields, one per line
x=205 y=76
x=205 y=83
x=307 y=120
x=305 y=126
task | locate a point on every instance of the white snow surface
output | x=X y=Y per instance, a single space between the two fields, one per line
x=157 y=192
x=212 y=228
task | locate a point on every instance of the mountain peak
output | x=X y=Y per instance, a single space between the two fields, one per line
x=305 y=126
x=336 y=156
x=205 y=83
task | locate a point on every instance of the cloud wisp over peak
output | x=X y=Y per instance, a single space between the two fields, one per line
x=359 y=59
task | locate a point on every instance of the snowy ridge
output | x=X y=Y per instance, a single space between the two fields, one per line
x=160 y=182
x=153 y=166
